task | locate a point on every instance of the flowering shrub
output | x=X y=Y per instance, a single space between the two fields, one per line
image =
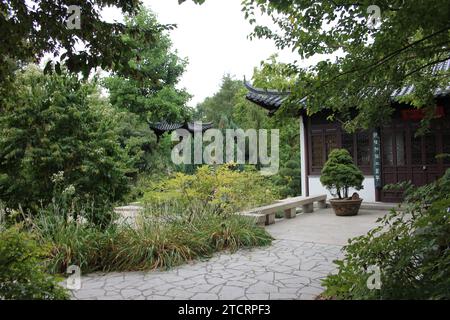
x=54 y=124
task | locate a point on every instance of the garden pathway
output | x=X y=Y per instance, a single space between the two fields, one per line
x=289 y=269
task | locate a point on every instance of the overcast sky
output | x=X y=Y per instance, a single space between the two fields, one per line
x=213 y=37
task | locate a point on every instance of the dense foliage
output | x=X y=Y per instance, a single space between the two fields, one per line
x=339 y=174
x=219 y=190
x=29 y=30
x=289 y=179
x=152 y=95
x=229 y=109
x=411 y=249
x=56 y=127
x=368 y=61
x=22 y=272
x=219 y=107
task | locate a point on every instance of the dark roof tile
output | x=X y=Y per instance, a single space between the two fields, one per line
x=272 y=100
x=165 y=126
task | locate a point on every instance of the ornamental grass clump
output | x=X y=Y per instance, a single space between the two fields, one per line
x=340 y=174
x=155 y=241
x=161 y=246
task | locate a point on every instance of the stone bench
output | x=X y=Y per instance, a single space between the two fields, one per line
x=128 y=213
x=266 y=215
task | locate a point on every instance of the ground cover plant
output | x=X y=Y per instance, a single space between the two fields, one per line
x=22 y=268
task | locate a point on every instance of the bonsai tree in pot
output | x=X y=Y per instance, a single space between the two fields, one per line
x=339 y=175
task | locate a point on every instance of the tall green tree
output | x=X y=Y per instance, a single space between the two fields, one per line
x=148 y=95
x=275 y=74
x=152 y=95
x=219 y=107
x=375 y=56
x=55 y=125
x=229 y=108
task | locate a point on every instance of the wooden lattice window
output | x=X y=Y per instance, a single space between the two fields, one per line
x=326 y=137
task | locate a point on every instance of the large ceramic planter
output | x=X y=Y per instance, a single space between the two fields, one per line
x=346 y=207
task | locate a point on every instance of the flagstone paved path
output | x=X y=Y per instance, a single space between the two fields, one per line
x=289 y=269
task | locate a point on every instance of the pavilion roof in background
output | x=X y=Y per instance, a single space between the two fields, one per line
x=162 y=127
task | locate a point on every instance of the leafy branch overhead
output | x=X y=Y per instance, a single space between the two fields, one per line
x=372 y=61
x=29 y=30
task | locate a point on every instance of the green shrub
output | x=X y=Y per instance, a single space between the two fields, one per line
x=219 y=189
x=289 y=179
x=69 y=205
x=411 y=249
x=22 y=273
x=340 y=174
x=420 y=198
x=143 y=182
x=57 y=124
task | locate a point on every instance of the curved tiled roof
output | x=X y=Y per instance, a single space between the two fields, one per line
x=165 y=126
x=205 y=126
x=272 y=100
x=440 y=92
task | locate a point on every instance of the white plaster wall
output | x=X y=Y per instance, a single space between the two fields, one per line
x=304 y=174
x=368 y=193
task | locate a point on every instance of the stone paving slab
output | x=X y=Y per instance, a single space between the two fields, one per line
x=323 y=226
x=286 y=270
